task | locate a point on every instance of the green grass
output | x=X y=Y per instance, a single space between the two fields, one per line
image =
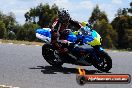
x=21 y=42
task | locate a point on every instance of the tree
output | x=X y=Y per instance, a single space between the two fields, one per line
x=130 y=9
x=103 y=28
x=121 y=12
x=2 y=30
x=122 y=23
x=109 y=36
x=27 y=31
x=9 y=21
x=44 y=13
x=97 y=15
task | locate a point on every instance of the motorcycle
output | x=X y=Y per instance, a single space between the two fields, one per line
x=84 y=49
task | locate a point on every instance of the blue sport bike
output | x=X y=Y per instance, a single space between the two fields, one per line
x=84 y=49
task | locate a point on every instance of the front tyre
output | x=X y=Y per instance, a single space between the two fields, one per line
x=48 y=54
x=103 y=62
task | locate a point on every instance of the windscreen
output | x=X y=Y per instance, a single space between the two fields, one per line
x=85 y=31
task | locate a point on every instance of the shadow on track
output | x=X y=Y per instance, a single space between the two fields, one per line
x=64 y=70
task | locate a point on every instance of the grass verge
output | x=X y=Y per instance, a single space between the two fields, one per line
x=21 y=42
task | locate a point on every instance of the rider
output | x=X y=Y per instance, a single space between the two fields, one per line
x=58 y=29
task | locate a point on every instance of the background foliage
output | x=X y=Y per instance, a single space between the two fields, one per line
x=115 y=34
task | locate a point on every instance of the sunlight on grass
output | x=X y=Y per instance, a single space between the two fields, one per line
x=21 y=42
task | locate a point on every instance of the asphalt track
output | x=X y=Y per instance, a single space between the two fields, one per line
x=24 y=66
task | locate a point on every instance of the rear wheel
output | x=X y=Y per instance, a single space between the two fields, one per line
x=49 y=55
x=103 y=62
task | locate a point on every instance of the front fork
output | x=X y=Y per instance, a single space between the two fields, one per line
x=101 y=48
x=98 y=48
x=97 y=51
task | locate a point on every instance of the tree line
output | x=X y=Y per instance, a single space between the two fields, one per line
x=10 y=29
x=115 y=34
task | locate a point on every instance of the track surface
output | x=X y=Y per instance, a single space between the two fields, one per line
x=24 y=66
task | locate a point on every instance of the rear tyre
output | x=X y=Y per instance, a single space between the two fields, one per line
x=48 y=54
x=103 y=63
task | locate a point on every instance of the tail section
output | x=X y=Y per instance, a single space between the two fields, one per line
x=44 y=34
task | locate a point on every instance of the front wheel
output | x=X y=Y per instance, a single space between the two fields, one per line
x=49 y=56
x=102 y=62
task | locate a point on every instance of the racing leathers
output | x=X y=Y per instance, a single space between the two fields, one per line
x=58 y=34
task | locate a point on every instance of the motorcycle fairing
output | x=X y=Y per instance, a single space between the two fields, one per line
x=93 y=39
x=44 y=34
x=71 y=37
x=89 y=50
x=96 y=39
x=79 y=49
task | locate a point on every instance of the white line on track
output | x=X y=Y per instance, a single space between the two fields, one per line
x=10 y=43
x=114 y=51
x=130 y=52
x=37 y=45
x=4 y=86
x=22 y=44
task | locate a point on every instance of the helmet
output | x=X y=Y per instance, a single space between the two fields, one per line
x=84 y=23
x=64 y=15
